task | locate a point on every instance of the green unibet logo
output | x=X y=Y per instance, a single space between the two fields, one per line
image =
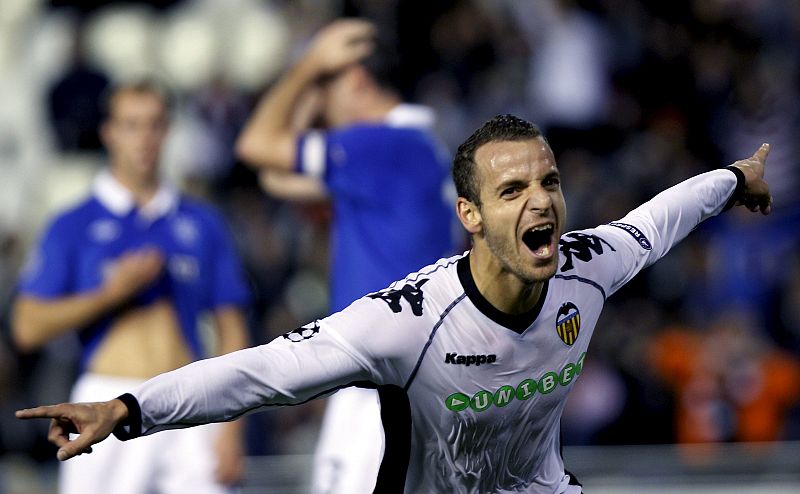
x=567 y=374
x=526 y=389
x=457 y=402
x=504 y=395
x=483 y=399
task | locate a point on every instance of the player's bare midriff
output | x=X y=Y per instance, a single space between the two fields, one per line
x=141 y=343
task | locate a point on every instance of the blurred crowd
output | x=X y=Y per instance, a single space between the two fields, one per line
x=633 y=96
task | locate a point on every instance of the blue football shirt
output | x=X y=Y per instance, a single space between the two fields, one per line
x=389 y=182
x=201 y=270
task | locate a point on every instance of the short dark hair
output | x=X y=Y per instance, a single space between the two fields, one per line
x=141 y=86
x=383 y=64
x=500 y=128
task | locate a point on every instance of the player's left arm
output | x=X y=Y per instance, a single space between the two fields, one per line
x=648 y=232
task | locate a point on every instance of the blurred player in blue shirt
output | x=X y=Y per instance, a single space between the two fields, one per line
x=388 y=179
x=132 y=269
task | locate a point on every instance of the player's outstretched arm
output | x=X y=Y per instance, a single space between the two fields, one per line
x=93 y=422
x=755 y=194
x=652 y=229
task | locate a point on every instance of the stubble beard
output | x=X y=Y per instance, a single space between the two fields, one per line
x=511 y=260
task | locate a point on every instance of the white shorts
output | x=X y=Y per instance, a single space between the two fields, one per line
x=350 y=447
x=169 y=462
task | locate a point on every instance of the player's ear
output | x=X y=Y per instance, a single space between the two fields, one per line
x=470 y=215
x=360 y=77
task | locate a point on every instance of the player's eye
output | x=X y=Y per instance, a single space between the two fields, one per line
x=509 y=192
x=551 y=182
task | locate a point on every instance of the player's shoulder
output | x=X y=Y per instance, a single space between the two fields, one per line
x=421 y=293
x=586 y=252
x=200 y=210
x=380 y=134
x=69 y=220
x=599 y=253
x=442 y=272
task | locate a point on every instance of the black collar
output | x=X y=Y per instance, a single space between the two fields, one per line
x=515 y=322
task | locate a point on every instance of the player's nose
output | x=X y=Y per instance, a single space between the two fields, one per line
x=539 y=200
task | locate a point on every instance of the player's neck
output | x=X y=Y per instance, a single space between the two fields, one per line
x=378 y=107
x=143 y=189
x=502 y=288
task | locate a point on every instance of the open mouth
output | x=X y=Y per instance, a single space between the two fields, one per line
x=539 y=240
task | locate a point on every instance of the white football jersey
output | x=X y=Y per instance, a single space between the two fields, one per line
x=471 y=398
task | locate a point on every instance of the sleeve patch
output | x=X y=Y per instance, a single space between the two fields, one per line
x=635 y=233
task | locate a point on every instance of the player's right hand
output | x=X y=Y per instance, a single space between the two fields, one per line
x=132 y=272
x=341 y=43
x=92 y=421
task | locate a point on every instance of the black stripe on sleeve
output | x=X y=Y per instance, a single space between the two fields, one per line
x=131 y=426
x=740 y=181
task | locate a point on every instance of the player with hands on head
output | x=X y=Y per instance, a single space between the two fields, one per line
x=379 y=162
x=473 y=356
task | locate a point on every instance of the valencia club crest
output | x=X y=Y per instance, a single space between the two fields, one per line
x=568 y=323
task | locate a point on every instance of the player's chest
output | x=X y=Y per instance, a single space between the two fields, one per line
x=178 y=238
x=474 y=365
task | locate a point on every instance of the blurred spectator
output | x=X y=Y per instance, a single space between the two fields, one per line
x=569 y=81
x=74 y=106
x=133 y=270
x=730 y=384
x=764 y=106
x=748 y=273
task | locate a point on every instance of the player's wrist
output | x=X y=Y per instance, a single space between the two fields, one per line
x=111 y=296
x=741 y=183
x=309 y=69
x=117 y=410
x=130 y=425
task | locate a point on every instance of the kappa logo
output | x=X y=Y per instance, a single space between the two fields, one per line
x=568 y=323
x=306 y=332
x=454 y=358
x=411 y=293
x=581 y=247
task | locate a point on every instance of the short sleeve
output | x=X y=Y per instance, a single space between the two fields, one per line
x=311 y=157
x=47 y=271
x=357 y=163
